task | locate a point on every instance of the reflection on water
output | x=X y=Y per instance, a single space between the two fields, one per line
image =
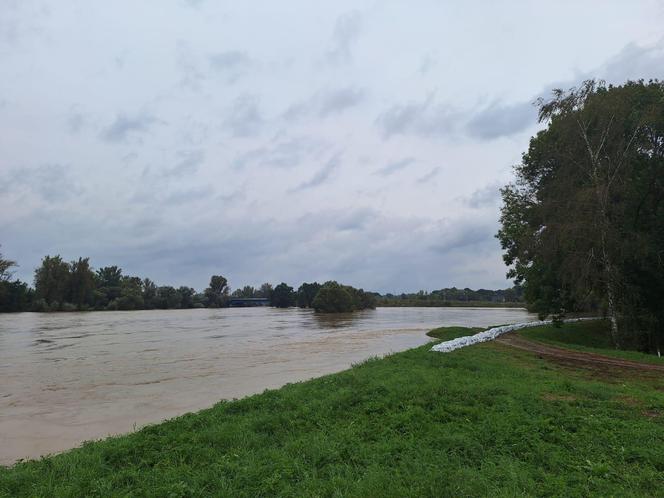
x=68 y=377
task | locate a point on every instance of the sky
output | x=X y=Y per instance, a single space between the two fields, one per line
x=292 y=141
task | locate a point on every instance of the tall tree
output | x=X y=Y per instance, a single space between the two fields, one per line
x=582 y=221
x=81 y=283
x=306 y=294
x=5 y=268
x=217 y=292
x=283 y=296
x=265 y=291
x=52 y=280
x=109 y=279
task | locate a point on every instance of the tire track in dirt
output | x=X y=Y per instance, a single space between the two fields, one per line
x=576 y=358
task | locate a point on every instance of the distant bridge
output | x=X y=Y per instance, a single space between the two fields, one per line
x=245 y=302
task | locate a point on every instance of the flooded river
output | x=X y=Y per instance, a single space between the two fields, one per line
x=70 y=377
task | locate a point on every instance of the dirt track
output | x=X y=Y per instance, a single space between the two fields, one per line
x=575 y=358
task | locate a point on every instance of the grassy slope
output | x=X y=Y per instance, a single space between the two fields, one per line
x=591 y=337
x=484 y=420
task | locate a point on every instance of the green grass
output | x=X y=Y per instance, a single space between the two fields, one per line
x=485 y=420
x=591 y=336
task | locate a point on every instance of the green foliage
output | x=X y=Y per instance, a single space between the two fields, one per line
x=333 y=298
x=282 y=296
x=217 y=292
x=481 y=421
x=265 y=291
x=5 y=268
x=81 y=283
x=15 y=296
x=583 y=225
x=246 y=291
x=306 y=294
x=52 y=281
x=451 y=296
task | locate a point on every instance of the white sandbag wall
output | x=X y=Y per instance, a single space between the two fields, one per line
x=491 y=334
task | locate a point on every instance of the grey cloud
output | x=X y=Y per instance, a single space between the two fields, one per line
x=282 y=153
x=486 y=196
x=465 y=236
x=428 y=62
x=340 y=100
x=321 y=176
x=631 y=63
x=395 y=166
x=232 y=197
x=189 y=195
x=498 y=120
x=188 y=162
x=232 y=64
x=124 y=126
x=194 y=3
x=76 y=121
x=356 y=220
x=346 y=31
x=429 y=176
x=426 y=119
x=188 y=64
x=50 y=182
x=326 y=103
x=244 y=117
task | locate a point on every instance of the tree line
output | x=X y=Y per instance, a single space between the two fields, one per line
x=60 y=285
x=329 y=297
x=452 y=296
x=74 y=286
x=582 y=226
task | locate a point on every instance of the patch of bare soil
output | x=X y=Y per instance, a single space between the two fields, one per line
x=591 y=361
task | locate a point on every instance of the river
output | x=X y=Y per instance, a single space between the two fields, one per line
x=70 y=377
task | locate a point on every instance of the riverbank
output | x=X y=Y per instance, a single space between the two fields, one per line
x=482 y=420
x=414 y=303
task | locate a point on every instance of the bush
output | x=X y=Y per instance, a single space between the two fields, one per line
x=333 y=298
x=41 y=306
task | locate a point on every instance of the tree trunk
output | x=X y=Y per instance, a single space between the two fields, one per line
x=610 y=297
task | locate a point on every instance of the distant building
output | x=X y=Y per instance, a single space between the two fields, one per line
x=246 y=302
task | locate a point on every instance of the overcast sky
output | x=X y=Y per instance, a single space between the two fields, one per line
x=294 y=140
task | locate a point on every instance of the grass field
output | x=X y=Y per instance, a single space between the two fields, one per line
x=592 y=337
x=482 y=421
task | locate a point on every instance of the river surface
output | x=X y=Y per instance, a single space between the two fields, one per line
x=70 y=377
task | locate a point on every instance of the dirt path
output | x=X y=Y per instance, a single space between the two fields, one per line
x=575 y=358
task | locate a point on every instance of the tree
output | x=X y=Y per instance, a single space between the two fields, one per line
x=265 y=291
x=306 y=294
x=109 y=279
x=283 y=296
x=582 y=225
x=246 y=291
x=131 y=294
x=149 y=292
x=217 y=292
x=15 y=296
x=81 y=283
x=5 y=268
x=186 y=296
x=168 y=298
x=333 y=298
x=52 y=280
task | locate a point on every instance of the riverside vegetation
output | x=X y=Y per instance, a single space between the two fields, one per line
x=74 y=286
x=583 y=223
x=484 y=420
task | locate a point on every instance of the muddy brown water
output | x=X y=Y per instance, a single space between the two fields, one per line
x=70 y=377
